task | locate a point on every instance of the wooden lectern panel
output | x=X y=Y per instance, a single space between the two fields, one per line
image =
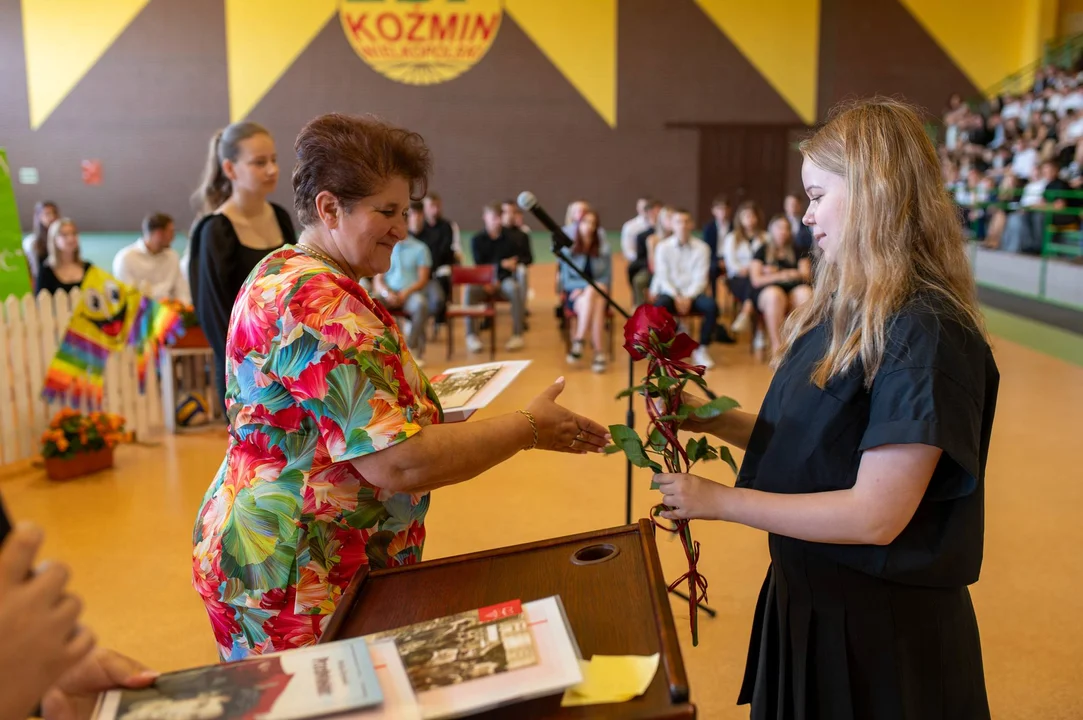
x=616 y=606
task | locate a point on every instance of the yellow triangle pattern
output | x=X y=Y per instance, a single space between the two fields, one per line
x=263 y=38
x=580 y=39
x=781 y=39
x=986 y=43
x=63 y=39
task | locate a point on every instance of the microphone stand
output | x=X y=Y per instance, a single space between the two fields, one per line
x=559 y=245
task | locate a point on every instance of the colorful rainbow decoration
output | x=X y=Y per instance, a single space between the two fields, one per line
x=109 y=317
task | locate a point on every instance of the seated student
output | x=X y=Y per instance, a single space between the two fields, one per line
x=780 y=275
x=591 y=254
x=639 y=270
x=715 y=232
x=802 y=235
x=406 y=284
x=36 y=244
x=682 y=267
x=48 y=662
x=445 y=246
x=738 y=248
x=63 y=268
x=151 y=265
x=512 y=219
x=495 y=246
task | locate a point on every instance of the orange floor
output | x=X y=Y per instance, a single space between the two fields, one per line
x=126 y=533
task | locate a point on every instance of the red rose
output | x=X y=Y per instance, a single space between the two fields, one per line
x=682 y=347
x=648 y=326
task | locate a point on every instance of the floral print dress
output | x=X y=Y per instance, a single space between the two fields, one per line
x=317 y=374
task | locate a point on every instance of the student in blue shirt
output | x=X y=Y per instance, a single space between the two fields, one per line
x=404 y=286
x=590 y=253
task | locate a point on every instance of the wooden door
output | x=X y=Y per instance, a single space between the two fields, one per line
x=743 y=162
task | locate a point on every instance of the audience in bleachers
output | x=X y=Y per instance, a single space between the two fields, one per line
x=682 y=268
x=36 y=244
x=1013 y=152
x=405 y=287
x=63 y=268
x=496 y=246
x=151 y=265
x=780 y=275
x=592 y=255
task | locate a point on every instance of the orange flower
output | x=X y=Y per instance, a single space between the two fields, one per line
x=62 y=444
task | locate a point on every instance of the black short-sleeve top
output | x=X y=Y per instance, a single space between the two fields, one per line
x=937 y=386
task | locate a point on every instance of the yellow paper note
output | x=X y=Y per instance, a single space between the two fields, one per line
x=612 y=679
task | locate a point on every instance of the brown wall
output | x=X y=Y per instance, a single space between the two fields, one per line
x=148 y=107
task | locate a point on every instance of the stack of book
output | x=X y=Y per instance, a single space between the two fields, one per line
x=450 y=667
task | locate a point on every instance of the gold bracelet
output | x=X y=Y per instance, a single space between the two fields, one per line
x=533 y=426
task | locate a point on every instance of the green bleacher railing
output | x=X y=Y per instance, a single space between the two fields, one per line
x=1062 y=52
x=1059 y=239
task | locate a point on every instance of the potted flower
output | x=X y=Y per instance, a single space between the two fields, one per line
x=652 y=334
x=193 y=336
x=76 y=444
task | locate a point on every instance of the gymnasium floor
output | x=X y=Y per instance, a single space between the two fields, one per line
x=126 y=533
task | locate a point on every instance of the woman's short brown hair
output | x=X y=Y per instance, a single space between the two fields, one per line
x=352 y=157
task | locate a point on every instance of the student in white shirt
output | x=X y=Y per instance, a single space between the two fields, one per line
x=682 y=268
x=738 y=249
x=151 y=265
x=631 y=229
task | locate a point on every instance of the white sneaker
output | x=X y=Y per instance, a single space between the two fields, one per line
x=599 y=363
x=576 y=352
x=700 y=356
x=515 y=342
x=473 y=343
x=760 y=341
x=739 y=324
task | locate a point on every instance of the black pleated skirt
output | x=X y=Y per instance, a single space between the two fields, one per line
x=832 y=643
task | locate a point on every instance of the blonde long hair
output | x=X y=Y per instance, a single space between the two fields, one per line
x=900 y=236
x=52 y=258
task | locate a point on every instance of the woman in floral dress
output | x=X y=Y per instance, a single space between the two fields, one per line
x=334 y=435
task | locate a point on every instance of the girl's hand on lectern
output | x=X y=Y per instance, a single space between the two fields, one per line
x=691 y=496
x=561 y=430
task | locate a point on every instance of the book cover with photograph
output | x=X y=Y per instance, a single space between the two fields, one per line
x=465 y=390
x=305 y=683
x=467 y=646
x=478 y=687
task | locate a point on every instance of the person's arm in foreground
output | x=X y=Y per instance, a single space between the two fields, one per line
x=442 y=455
x=891 y=481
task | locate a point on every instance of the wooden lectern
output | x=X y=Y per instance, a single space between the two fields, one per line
x=610 y=582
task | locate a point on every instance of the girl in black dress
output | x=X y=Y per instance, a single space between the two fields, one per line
x=780 y=274
x=866 y=463
x=64 y=268
x=236 y=229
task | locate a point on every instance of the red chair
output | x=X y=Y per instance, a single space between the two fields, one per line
x=461 y=276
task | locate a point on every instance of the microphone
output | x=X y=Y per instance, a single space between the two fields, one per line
x=529 y=203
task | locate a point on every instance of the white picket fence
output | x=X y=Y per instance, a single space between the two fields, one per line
x=31 y=329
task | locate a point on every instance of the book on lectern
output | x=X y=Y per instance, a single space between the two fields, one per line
x=482 y=659
x=308 y=682
x=465 y=390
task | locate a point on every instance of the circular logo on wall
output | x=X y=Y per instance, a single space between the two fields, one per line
x=421 y=42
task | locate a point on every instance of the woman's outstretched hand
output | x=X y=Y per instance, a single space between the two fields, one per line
x=561 y=430
x=691 y=497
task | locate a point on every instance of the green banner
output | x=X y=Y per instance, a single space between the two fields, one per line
x=14 y=273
